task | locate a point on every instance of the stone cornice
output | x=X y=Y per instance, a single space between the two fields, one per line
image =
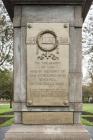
x=9 y=4
x=13 y=2
x=86 y=7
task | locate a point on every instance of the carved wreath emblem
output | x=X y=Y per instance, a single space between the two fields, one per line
x=47 y=41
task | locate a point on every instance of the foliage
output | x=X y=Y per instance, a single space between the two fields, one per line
x=6 y=84
x=6 y=39
x=87 y=90
x=90 y=67
x=87 y=42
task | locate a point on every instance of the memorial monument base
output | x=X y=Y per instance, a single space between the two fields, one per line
x=47 y=132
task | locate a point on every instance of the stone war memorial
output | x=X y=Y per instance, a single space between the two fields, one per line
x=47 y=69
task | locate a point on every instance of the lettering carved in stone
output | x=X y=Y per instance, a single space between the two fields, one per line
x=47 y=64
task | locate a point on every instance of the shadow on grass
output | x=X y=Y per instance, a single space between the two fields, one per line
x=87 y=118
x=4 y=119
x=86 y=113
x=90 y=118
x=7 y=113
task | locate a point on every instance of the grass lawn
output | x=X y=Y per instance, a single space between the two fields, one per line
x=88 y=108
x=5 y=108
x=6 y=115
x=87 y=115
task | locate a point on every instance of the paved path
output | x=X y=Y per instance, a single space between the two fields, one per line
x=4 y=130
x=90 y=130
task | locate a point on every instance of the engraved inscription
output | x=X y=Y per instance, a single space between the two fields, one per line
x=47 y=64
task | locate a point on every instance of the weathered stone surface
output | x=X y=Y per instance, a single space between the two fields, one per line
x=47 y=132
x=78 y=2
x=77 y=117
x=75 y=50
x=47 y=14
x=19 y=107
x=47 y=64
x=23 y=65
x=75 y=88
x=17 y=16
x=10 y=4
x=52 y=118
x=17 y=64
x=78 y=17
x=18 y=117
x=69 y=14
x=75 y=59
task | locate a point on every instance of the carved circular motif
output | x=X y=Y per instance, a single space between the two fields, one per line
x=47 y=41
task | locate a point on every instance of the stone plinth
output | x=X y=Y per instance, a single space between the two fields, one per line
x=47 y=132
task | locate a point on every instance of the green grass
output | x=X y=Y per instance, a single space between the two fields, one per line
x=8 y=119
x=88 y=108
x=87 y=118
x=5 y=108
x=86 y=122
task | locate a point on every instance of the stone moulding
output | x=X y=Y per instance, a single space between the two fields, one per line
x=9 y=4
x=47 y=132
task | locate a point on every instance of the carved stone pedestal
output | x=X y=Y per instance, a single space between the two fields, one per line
x=47 y=132
x=47 y=69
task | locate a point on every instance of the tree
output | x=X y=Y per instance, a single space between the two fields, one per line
x=6 y=85
x=6 y=39
x=6 y=54
x=90 y=68
x=88 y=43
x=87 y=92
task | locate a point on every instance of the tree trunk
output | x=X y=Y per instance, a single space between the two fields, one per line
x=10 y=103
